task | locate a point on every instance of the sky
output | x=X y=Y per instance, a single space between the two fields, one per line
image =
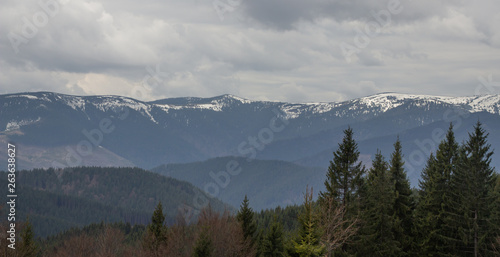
x=278 y=50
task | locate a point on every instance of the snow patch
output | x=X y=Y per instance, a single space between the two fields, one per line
x=26 y=96
x=15 y=125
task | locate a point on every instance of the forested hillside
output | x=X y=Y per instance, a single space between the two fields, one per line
x=56 y=200
x=360 y=212
x=269 y=183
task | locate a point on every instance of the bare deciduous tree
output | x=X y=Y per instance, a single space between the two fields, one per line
x=225 y=233
x=335 y=227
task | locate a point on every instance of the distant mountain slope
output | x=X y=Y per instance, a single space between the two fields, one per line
x=266 y=183
x=62 y=130
x=58 y=199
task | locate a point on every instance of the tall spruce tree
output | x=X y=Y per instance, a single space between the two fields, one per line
x=447 y=161
x=156 y=235
x=428 y=209
x=434 y=208
x=404 y=204
x=345 y=173
x=377 y=236
x=246 y=218
x=345 y=184
x=494 y=222
x=472 y=186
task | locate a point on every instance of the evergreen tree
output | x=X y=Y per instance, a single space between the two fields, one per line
x=156 y=235
x=434 y=211
x=345 y=173
x=494 y=223
x=377 y=232
x=428 y=208
x=308 y=242
x=28 y=247
x=273 y=244
x=203 y=246
x=246 y=218
x=473 y=184
x=404 y=204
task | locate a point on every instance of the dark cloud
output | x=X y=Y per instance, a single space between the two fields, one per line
x=285 y=14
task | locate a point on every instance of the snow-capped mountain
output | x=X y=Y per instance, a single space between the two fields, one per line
x=116 y=130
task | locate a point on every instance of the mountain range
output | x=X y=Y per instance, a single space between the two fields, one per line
x=57 y=130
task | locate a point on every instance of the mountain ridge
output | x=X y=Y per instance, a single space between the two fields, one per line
x=67 y=130
x=490 y=103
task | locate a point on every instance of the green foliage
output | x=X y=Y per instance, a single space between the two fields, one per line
x=377 y=236
x=58 y=199
x=246 y=218
x=457 y=211
x=308 y=241
x=157 y=231
x=288 y=217
x=28 y=246
x=404 y=204
x=472 y=187
x=273 y=244
x=203 y=246
x=268 y=183
x=494 y=222
x=345 y=173
x=435 y=208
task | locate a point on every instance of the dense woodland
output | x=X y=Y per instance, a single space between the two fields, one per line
x=374 y=212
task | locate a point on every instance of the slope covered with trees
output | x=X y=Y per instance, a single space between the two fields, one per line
x=57 y=199
x=360 y=212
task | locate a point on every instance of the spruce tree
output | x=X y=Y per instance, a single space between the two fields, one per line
x=345 y=174
x=28 y=247
x=494 y=222
x=435 y=209
x=428 y=209
x=473 y=183
x=377 y=232
x=273 y=244
x=404 y=204
x=308 y=242
x=246 y=218
x=157 y=231
x=447 y=161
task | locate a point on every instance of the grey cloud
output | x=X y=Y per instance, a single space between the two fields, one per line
x=285 y=14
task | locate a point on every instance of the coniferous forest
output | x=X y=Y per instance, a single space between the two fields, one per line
x=455 y=211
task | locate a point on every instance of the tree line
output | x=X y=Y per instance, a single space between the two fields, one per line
x=361 y=212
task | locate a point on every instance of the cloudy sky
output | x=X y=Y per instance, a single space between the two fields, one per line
x=284 y=50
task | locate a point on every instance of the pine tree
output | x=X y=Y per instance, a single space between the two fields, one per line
x=246 y=218
x=345 y=174
x=473 y=183
x=28 y=246
x=156 y=235
x=308 y=242
x=404 y=204
x=273 y=244
x=377 y=232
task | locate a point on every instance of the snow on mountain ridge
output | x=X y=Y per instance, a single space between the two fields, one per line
x=378 y=103
x=489 y=103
